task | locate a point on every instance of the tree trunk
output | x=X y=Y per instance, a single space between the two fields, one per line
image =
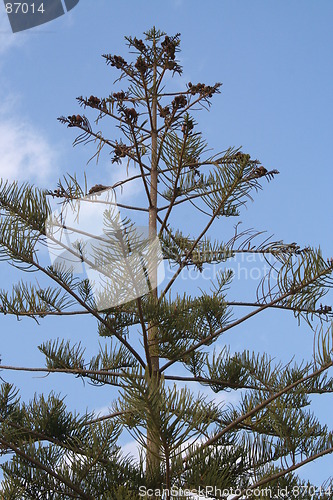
x=153 y=446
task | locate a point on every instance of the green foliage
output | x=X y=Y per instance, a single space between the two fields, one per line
x=155 y=339
x=32 y=300
x=301 y=283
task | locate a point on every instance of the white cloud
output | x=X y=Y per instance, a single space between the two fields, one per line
x=103 y=411
x=132 y=449
x=25 y=153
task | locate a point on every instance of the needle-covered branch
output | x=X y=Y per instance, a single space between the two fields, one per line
x=157 y=350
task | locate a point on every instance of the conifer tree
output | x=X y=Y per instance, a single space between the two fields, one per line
x=188 y=440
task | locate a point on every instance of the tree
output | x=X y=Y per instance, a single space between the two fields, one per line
x=188 y=441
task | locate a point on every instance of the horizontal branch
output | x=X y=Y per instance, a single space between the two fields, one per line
x=221 y=330
x=85 y=372
x=320 y=311
x=262 y=405
x=278 y=306
x=283 y=472
x=211 y=381
x=43 y=313
x=73 y=371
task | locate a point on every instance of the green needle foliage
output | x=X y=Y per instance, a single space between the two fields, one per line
x=188 y=441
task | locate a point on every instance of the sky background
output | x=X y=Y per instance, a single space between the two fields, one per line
x=275 y=62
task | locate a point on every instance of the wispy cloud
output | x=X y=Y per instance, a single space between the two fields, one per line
x=24 y=153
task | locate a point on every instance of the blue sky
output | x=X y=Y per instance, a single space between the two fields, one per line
x=275 y=62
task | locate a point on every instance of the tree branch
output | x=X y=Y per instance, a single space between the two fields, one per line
x=121 y=339
x=203 y=232
x=283 y=472
x=244 y=318
x=39 y=465
x=318 y=311
x=74 y=371
x=262 y=405
x=174 y=195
